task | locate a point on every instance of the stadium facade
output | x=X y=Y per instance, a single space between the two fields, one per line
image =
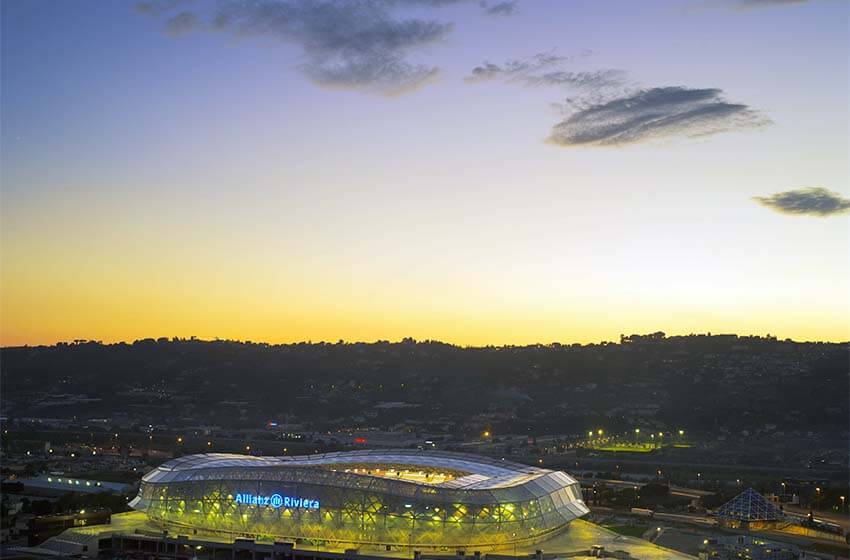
x=393 y=498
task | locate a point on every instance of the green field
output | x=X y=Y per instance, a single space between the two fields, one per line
x=626 y=448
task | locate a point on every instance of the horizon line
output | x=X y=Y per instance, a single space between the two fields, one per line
x=161 y=339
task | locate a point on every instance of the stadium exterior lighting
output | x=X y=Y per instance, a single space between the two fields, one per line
x=446 y=500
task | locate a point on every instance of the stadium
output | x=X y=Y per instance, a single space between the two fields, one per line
x=393 y=498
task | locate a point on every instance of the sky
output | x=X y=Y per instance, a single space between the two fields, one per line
x=474 y=172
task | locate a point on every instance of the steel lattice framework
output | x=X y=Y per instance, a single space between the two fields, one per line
x=484 y=503
x=749 y=505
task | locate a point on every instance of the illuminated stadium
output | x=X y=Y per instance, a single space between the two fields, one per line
x=393 y=498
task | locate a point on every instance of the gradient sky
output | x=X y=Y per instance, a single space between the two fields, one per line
x=166 y=176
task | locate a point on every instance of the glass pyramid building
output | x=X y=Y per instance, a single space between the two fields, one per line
x=748 y=506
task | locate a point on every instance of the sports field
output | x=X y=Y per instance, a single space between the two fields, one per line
x=627 y=447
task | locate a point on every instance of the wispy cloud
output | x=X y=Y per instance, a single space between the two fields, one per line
x=507 y=8
x=514 y=69
x=765 y=3
x=184 y=22
x=811 y=201
x=583 y=80
x=654 y=113
x=158 y=7
x=546 y=69
x=359 y=44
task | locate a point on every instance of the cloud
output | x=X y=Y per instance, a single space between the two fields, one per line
x=183 y=22
x=812 y=201
x=757 y=3
x=546 y=70
x=359 y=44
x=591 y=80
x=652 y=114
x=507 y=8
x=514 y=69
x=158 y=7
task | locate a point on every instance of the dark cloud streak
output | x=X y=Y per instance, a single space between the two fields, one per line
x=507 y=8
x=812 y=201
x=651 y=114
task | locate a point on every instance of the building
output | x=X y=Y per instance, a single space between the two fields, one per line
x=45 y=526
x=749 y=509
x=747 y=548
x=393 y=498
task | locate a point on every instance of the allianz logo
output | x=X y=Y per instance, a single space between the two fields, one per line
x=276 y=501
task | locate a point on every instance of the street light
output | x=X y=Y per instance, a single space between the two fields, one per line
x=600 y=432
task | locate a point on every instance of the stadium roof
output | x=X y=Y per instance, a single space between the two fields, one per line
x=749 y=505
x=476 y=472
